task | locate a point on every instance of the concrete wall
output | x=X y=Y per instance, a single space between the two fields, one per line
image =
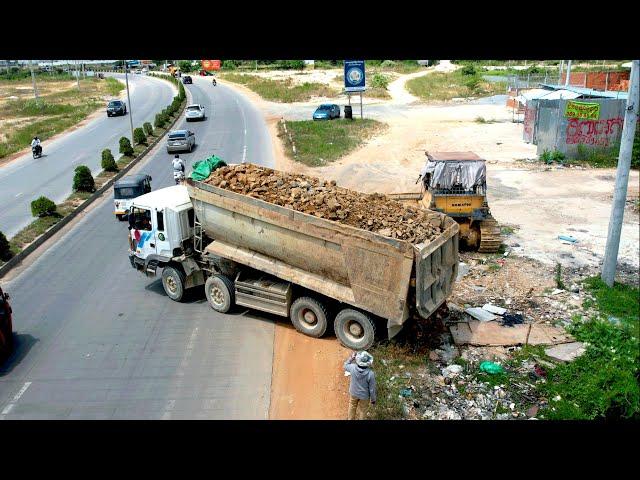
x=553 y=131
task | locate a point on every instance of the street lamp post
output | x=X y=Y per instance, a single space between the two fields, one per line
x=33 y=80
x=126 y=79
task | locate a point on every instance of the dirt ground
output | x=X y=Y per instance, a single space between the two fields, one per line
x=302 y=365
x=537 y=202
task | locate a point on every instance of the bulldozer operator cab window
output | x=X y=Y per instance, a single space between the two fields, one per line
x=140 y=219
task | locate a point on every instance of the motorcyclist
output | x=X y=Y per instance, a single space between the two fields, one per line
x=35 y=145
x=178 y=168
x=213 y=80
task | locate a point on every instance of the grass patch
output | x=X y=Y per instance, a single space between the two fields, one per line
x=602 y=383
x=558 y=277
x=53 y=113
x=438 y=86
x=389 y=404
x=284 y=91
x=507 y=230
x=320 y=142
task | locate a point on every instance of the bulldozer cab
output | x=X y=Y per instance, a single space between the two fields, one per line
x=455 y=183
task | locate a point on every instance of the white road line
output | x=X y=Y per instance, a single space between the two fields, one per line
x=9 y=407
x=19 y=194
x=168 y=408
x=244 y=123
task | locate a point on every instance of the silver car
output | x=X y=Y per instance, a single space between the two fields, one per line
x=195 y=112
x=180 y=140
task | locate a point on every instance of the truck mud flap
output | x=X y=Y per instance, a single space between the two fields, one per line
x=436 y=271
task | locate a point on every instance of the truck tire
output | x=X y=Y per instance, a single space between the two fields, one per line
x=354 y=329
x=309 y=316
x=220 y=293
x=173 y=283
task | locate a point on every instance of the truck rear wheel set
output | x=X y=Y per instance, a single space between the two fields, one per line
x=354 y=329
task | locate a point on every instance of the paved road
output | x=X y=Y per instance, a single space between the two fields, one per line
x=95 y=339
x=51 y=175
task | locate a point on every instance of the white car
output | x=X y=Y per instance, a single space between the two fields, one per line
x=195 y=112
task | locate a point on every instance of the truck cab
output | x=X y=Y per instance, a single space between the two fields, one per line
x=161 y=230
x=128 y=188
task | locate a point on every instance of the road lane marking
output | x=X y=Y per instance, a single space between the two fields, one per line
x=244 y=124
x=9 y=407
x=19 y=194
x=170 y=405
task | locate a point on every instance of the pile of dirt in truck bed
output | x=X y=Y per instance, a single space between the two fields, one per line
x=373 y=212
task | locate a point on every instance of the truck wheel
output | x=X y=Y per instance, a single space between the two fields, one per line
x=119 y=217
x=173 y=283
x=220 y=293
x=309 y=316
x=354 y=329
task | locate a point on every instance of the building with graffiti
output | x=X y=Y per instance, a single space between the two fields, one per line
x=563 y=117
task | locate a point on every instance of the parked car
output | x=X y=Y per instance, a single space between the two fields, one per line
x=128 y=188
x=195 y=112
x=187 y=79
x=180 y=140
x=116 y=107
x=327 y=111
x=6 y=327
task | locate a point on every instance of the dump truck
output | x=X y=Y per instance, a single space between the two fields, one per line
x=318 y=272
x=455 y=183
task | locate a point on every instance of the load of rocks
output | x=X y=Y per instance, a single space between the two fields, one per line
x=372 y=212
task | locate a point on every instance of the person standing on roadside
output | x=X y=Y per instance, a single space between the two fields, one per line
x=362 y=388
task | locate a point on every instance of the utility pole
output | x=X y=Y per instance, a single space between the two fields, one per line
x=126 y=79
x=561 y=69
x=566 y=82
x=33 y=80
x=622 y=178
x=75 y=62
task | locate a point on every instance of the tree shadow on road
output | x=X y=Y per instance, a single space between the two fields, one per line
x=22 y=344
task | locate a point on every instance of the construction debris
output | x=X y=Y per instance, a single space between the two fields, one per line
x=566 y=352
x=479 y=333
x=323 y=199
x=480 y=314
x=493 y=309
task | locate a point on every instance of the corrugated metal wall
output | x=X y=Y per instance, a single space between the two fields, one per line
x=554 y=131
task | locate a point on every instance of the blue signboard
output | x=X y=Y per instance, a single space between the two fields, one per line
x=354 y=79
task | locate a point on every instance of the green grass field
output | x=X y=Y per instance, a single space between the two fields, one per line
x=280 y=91
x=321 y=142
x=437 y=86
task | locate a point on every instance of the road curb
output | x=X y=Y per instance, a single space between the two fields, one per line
x=17 y=259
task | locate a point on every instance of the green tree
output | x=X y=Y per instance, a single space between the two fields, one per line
x=108 y=162
x=125 y=147
x=42 y=207
x=5 y=248
x=185 y=65
x=139 y=137
x=83 y=180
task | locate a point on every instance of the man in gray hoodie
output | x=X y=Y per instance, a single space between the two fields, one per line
x=362 y=388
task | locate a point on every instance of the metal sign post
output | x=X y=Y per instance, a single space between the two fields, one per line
x=354 y=80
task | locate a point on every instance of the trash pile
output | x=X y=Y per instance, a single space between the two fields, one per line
x=449 y=387
x=372 y=212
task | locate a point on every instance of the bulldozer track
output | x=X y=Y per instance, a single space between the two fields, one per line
x=490 y=238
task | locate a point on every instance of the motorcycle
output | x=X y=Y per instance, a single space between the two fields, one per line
x=213 y=80
x=36 y=150
x=178 y=177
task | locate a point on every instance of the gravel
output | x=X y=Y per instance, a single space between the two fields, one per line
x=310 y=195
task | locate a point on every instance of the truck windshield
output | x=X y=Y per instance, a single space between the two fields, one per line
x=127 y=192
x=140 y=219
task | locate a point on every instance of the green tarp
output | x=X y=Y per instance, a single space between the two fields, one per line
x=203 y=168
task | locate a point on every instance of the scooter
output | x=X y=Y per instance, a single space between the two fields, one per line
x=178 y=177
x=36 y=151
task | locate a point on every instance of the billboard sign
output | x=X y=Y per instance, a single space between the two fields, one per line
x=210 y=65
x=354 y=76
x=586 y=110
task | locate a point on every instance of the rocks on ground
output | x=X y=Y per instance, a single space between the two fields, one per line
x=323 y=199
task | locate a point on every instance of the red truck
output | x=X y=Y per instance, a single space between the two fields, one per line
x=6 y=327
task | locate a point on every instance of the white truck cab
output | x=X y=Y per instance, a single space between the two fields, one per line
x=161 y=227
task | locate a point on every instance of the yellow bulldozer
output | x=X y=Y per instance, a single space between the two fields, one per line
x=455 y=183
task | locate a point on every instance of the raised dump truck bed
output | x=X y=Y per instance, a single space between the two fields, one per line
x=384 y=276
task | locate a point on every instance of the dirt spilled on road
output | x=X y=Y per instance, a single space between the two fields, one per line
x=308 y=379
